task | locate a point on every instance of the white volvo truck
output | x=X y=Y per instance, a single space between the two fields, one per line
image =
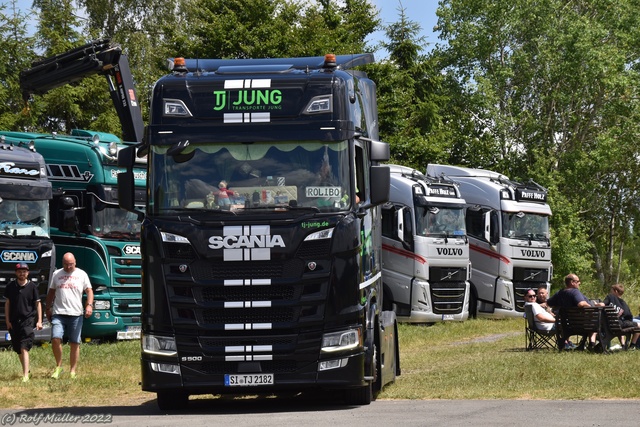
x=508 y=229
x=425 y=250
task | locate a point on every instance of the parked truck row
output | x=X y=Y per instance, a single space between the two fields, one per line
x=255 y=240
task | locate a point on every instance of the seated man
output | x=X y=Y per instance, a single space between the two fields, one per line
x=544 y=321
x=571 y=296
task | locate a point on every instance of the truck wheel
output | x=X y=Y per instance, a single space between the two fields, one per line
x=365 y=395
x=473 y=304
x=359 y=396
x=172 y=401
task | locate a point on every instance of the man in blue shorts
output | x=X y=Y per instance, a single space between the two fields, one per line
x=64 y=308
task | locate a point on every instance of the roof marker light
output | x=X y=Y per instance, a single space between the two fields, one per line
x=330 y=61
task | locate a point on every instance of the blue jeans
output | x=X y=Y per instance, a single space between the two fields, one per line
x=72 y=325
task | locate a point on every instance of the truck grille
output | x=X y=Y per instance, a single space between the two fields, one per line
x=447 y=289
x=205 y=271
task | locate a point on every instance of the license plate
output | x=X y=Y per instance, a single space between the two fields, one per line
x=447 y=317
x=246 y=380
x=134 y=328
x=7 y=336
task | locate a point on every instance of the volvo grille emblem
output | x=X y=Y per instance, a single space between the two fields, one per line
x=312 y=265
x=182 y=268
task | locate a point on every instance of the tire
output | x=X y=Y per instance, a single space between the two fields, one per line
x=365 y=395
x=473 y=304
x=359 y=396
x=172 y=401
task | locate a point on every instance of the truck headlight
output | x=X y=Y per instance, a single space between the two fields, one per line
x=102 y=305
x=159 y=345
x=338 y=341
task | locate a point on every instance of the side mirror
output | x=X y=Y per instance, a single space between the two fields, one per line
x=69 y=221
x=380 y=179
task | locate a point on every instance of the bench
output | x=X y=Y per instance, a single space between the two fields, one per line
x=581 y=321
x=613 y=327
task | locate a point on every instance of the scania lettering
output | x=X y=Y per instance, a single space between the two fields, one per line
x=261 y=237
x=508 y=227
x=83 y=169
x=425 y=251
x=25 y=193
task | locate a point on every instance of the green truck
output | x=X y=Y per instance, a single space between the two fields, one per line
x=86 y=220
x=83 y=170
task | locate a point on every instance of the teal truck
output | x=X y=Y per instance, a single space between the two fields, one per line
x=86 y=220
x=82 y=167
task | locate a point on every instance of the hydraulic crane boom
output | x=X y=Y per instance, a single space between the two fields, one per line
x=97 y=57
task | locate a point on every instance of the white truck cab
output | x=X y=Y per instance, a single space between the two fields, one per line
x=425 y=250
x=508 y=228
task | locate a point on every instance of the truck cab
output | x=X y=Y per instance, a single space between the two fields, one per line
x=425 y=250
x=25 y=237
x=510 y=246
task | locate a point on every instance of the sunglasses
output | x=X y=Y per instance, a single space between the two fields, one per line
x=530 y=295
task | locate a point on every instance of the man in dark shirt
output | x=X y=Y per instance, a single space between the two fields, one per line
x=23 y=312
x=570 y=296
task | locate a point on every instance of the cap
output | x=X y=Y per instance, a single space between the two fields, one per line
x=22 y=266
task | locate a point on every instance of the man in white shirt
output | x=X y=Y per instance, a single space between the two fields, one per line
x=543 y=319
x=64 y=308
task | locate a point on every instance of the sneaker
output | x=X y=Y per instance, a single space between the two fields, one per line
x=25 y=379
x=56 y=373
x=615 y=347
x=73 y=375
x=569 y=346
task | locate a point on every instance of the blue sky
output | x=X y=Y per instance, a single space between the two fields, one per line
x=421 y=11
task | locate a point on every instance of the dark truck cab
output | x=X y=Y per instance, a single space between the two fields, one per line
x=261 y=240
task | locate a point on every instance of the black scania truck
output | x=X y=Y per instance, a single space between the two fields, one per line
x=261 y=239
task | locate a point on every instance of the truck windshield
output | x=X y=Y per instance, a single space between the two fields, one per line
x=112 y=222
x=282 y=176
x=435 y=221
x=24 y=218
x=523 y=225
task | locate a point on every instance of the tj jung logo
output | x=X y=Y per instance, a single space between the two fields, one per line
x=246 y=243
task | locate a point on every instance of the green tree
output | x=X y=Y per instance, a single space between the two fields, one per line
x=277 y=28
x=555 y=90
x=16 y=53
x=412 y=95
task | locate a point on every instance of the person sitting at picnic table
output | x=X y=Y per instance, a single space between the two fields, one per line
x=542 y=295
x=624 y=312
x=571 y=296
x=543 y=319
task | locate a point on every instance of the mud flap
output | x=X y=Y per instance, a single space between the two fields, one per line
x=388 y=348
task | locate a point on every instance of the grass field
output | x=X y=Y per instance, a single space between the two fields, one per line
x=477 y=359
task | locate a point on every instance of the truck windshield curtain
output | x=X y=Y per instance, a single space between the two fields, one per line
x=523 y=225
x=250 y=175
x=24 y=218
x=439 y=220
x=111 y=222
